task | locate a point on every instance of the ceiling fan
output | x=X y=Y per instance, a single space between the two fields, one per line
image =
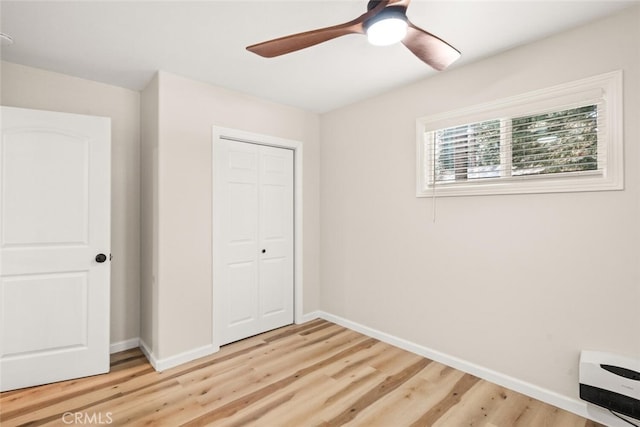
x=384 y=23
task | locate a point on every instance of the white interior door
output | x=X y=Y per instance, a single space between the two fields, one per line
x=253 y=238
x=54 y=221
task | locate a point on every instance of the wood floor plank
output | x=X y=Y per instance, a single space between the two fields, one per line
x=287 y=402
x=564 y=418
x=337 y=394
x=314 y=374
x=350 y=391
x=453 y=398
x=127 y=411
x=309 y=394
x=80 y=392
x=275 y=366
x=33 y=398
x=509 y=412
x=381 y=389
x=408 y=403
x=173 y=415
x=253 y=397
x=475 y=405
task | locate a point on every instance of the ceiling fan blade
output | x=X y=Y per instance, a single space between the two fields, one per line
x=294 y=42
x=430 y=49
x=288 y=44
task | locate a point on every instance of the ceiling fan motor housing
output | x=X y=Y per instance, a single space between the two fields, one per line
x=372 y=4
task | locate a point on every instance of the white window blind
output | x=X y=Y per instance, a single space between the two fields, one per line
x=564 y=141
x=561 y=139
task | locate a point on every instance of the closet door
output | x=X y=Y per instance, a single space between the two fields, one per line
x=253 y=239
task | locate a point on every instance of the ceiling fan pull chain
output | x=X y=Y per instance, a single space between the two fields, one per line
x=433 y=172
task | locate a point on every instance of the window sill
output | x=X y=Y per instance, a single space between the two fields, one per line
x=523 y=185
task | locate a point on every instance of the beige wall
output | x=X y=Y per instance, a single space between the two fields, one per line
x=38 y=89
x=187 y=112
x=149 y=134
x=518 y=284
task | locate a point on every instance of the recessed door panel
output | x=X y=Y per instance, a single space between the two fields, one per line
x=242 y=160
x=274 y=221
x=46 y=200
x=242 y=205
x=242 y=288
x=273 y=295
x=56 y=318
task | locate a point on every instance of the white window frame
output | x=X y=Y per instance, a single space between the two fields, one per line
x=605 y=89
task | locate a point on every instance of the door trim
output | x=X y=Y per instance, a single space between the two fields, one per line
x=222 y=133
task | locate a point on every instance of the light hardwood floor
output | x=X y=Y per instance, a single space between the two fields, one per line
x=316 y=374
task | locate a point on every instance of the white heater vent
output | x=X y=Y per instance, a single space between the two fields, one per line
x=611 y=381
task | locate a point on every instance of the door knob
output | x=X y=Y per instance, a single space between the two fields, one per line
x=101 y=258
x=264 y=251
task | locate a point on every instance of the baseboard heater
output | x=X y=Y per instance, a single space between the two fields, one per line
x=611 y=381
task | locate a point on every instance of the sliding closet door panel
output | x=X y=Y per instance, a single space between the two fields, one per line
x=276 y=236
x=237 y=195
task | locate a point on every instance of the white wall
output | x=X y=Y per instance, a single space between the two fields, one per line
x=29 y=87
x=187 y=110
x=518 y=284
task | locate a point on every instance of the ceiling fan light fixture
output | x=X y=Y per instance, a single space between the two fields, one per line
x=387 y=32
x=388 y=27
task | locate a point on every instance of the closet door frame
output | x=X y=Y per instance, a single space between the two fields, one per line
x=222 y=133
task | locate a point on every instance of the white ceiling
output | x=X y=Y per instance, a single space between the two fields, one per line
x=124 y=42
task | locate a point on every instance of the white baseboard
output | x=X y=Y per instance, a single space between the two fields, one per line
x=148 y=353
x=309 y=317
x=179 y=359
x=567 y=403
x=119 y=346
x=173 y=361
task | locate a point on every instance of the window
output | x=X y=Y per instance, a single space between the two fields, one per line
x=566 y=138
